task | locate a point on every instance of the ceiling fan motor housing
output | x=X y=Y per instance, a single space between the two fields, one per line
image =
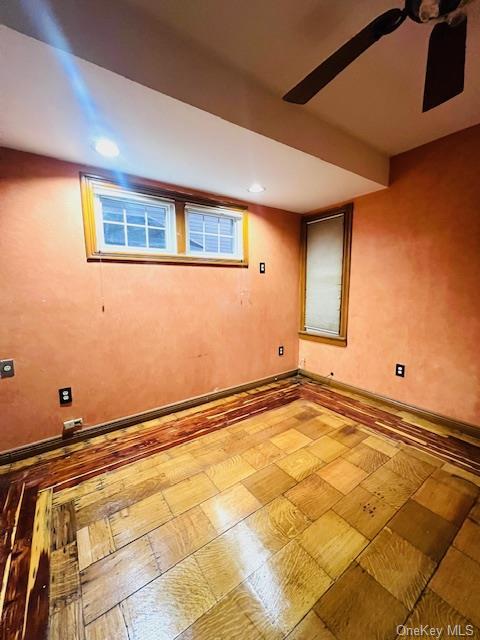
x=426 y=10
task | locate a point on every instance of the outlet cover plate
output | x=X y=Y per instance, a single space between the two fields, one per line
x=7 y=369
x=400 y=370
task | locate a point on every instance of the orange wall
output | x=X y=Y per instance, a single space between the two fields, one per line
x=415 y=284
x=168 y=332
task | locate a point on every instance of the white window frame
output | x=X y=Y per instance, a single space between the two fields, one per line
x=133 y=196
x=219 y=212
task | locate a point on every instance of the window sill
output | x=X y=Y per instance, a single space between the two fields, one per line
x=165 y=259
x=340 y=341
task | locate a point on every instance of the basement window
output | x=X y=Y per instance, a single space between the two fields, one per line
x=131 y=223
x=139 y=223
x=213 y=232
x=326 y=242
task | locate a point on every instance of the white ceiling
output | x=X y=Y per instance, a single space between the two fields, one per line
x=160 y=137
x=377 y=99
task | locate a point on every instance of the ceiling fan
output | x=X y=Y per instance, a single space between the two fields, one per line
x=446 y=50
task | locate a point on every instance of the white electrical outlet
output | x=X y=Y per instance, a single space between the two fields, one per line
x=71 y=425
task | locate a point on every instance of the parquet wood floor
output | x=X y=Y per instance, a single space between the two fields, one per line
x=270 y=514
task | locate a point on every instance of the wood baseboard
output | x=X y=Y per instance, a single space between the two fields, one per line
x=57 y=442
x=451 y=423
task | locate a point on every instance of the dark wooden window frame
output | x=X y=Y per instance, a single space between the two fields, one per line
x=180 y=198
x=341 y=339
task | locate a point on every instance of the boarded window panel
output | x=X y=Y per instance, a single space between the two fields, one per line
x=324 y=268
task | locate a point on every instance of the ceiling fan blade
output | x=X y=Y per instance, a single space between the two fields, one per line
x=445 y=64
x=350 y=51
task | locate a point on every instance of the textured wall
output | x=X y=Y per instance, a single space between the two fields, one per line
x=415 y=284
x=168 y=332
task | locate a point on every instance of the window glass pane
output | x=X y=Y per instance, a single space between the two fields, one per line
x=156 y=216
x=112 y=210
x=135 y=213
x=211 y=224
x=195 y=223
x=226 y=245
x=211 y=244
x=226 y=226
x=156 y=238
x=196 y=242
x=136 y=236
x=324 y=268
x=114 y=234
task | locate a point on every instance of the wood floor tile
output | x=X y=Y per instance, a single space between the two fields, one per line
x=311 y=628
x=366 y=458
x=422 y=455
x=389 y=486
x=456 y=581
x=229 y=507
x=118 y=495
x=424 y=529
x=263 y=455
x=309 y=412
x=63 y=525
x=208 y=457
x=168 y=605
x=229 y=559
x=388 y=447
x=335 y=420
x=432 y=611
x=342 y=475
x=290 y=440
x=333 y=543
x=327 y=449
x=254 y=425
x=180 y=468
x=315 y=428
x=373 y=616
x=180 y=537
x=398 y=566
x=313 y=496
x=364 y=511
x=474 y=513
x=94 y=542
x=268 y=483
x=444 y=500
x=64 y=576
x=238 y=616
x=458 y=482
x=110 y=626
x=300 y=464
x=67 y=623
x=109 y=581
x=410 y=467
x=458 y=472
x=349 y=435
x=189 y=493
x=468 y=540
x=288 y=585
x=229 y=472
x=277 y=523
x=139 y=518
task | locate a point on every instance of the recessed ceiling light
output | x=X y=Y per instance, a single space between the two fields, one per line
x=106 y=147
x=256 y=188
